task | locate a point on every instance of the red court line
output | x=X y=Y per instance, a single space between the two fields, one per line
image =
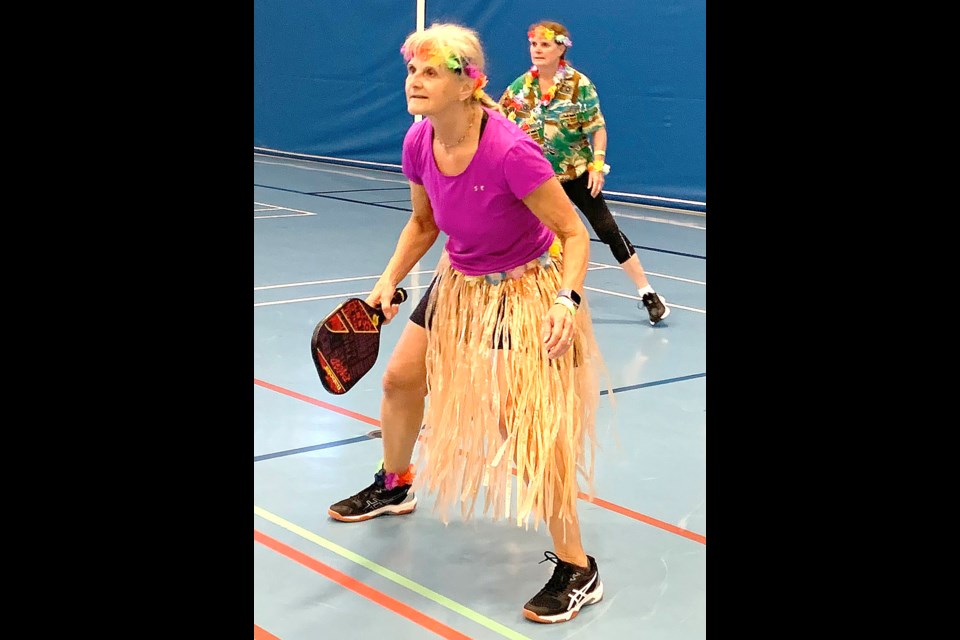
x=666 y=526
x=260 y=634
x=356 y=586
x=319 y=403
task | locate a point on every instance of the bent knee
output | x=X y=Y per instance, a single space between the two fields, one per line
x=401 y=381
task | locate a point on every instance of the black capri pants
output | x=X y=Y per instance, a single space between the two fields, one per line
x=599 y=217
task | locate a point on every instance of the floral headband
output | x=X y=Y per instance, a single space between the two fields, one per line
x=458 y=64
x=543 y=33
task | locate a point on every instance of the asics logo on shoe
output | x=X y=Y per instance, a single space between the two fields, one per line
x=577 y=596
x=375 y=503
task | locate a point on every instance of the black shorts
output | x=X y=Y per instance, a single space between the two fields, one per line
x=419 y=315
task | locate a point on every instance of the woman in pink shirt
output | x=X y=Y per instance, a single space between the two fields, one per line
x=502 y=344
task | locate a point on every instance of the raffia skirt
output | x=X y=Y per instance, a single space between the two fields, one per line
x=549 y=406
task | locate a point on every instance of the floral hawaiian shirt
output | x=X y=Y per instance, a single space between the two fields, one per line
x=559 y=120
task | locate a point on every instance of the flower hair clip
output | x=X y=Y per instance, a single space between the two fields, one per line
x=564 y=40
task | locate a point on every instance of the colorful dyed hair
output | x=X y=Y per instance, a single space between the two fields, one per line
x=549 y=30
x=455 y=47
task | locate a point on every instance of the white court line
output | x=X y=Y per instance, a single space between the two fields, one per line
x=687 y=225
x=383 y=164
x=637 y=298
x=283 y=215
x=355 y=294
x=331 y=281
x=277 y=207
x=600 y=265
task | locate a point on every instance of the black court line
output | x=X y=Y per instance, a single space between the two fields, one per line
x=675 y=253
x=291 y=452
x=376 y=432
x=317 y=194
x=656 y=383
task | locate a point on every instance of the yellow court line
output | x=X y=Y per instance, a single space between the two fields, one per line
x=443 y=601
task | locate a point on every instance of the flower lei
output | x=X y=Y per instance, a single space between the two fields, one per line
x=458 y=64
x=563 y=72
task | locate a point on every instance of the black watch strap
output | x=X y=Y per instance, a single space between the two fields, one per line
x=570 y=293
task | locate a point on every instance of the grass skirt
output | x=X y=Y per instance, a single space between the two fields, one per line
x=550 y=405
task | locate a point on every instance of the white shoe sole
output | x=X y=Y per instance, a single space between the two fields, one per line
x=666 y=312
x=595 y=596
x=389 y=510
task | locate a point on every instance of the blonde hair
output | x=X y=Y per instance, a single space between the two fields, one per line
x=462 y=42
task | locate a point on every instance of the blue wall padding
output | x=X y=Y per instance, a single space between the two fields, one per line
x=328 y=78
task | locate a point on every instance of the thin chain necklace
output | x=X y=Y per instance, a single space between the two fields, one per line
x=462 y=138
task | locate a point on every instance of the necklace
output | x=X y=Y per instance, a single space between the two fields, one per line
x=462 y=138
x=559 y=76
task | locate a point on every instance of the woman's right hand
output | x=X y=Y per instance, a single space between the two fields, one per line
x=382 y=296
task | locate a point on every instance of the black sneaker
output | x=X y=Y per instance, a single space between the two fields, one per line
x=375 y=500
x=570 y=588
x=656 y=307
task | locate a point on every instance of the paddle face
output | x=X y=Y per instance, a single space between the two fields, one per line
x=346 y=343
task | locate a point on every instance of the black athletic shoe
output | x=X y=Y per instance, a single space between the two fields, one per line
x=375 y=500
x=655 y=306
x=570 y=588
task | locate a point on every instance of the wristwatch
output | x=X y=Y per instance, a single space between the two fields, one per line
x=570 y=293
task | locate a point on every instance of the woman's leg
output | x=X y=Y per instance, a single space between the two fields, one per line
x=566 y=533
x=401 y=413
x=404 y=390
x=598 y=215
x=575 y=582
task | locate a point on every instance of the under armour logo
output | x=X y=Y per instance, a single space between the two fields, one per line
x=478 y=187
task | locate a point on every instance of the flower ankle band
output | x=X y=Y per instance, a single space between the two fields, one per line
x=393 y=480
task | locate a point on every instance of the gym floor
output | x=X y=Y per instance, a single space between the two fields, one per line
x=322 y=233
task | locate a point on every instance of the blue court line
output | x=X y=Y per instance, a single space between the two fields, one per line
x=657 y=382
x=292 y=452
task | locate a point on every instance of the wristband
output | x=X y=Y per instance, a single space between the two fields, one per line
x=600 y=153
x=568 y=303
x=599 y=166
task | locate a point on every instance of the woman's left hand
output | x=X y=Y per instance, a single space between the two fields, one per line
x=559 y=328
x=595 y=180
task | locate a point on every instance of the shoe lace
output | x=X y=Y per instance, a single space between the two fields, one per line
x=561 y=574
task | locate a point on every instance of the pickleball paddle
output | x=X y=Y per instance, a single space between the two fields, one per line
x=346 y=343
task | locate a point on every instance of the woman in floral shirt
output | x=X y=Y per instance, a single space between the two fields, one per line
x=558 y=107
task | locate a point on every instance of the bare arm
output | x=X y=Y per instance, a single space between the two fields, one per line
x=415 y=240
x=550 y=203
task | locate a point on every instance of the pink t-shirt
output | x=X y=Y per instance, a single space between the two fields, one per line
x=489 y=228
